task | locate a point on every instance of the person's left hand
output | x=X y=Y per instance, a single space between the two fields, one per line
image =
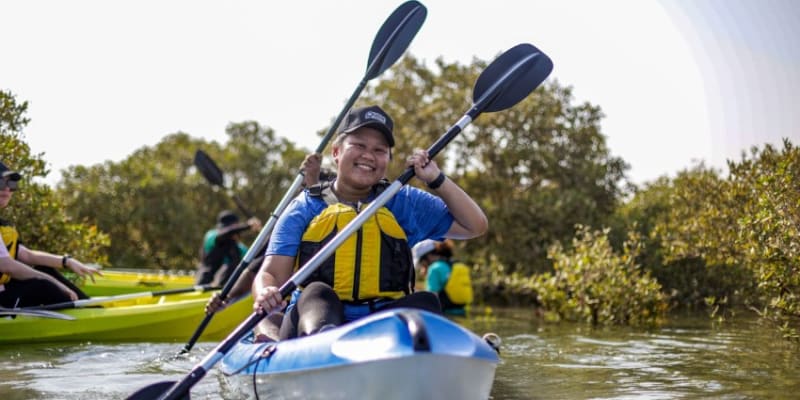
x=269 y=300
x=82 y=270
x=425 y=169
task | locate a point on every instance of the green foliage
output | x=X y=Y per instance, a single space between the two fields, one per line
x=659 y=210
x=140 y=202
x=593 y=284
x=38 y=213
x=12 y=116
x=493 y=285
x=745 y=225
x=767 y=190
x=156 y=206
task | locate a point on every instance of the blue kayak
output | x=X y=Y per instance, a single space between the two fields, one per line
x=395 y=354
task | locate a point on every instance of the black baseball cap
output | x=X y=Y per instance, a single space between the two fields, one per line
x=6 y=172
x=370 y=116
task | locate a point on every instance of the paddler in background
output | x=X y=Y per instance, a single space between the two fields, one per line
x=20 y=284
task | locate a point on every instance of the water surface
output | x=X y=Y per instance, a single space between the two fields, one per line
x=690 y=358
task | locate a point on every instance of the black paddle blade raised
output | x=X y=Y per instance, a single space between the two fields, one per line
x=511 y=77
x=505 y=82
x=154 y=391
x=208 y=168
x=395 y=36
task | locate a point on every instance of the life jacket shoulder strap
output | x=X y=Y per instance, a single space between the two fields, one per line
x=324 y=191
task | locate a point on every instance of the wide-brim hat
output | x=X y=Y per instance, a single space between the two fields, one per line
x=227 y=218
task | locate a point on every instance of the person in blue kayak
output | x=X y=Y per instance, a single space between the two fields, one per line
x=449 y=279
x=222 y=248
x=372 y=270
x=30 y=277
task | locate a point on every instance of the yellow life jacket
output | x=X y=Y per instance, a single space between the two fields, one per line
x=375 y=262
x=11 y=241
x=459 y=285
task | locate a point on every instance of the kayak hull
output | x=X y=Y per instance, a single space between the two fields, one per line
x=382 y=356
x=427 y=376
x=170 y=318
x=116 y=282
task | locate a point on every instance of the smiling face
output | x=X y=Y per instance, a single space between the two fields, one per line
x=361 y=159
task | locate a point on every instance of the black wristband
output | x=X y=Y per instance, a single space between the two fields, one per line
x=434 y=184
x=64 y=260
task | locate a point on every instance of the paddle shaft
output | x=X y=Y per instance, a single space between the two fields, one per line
x=377 y=64
x=131 y=296
x=242 y=207
x=35 y=313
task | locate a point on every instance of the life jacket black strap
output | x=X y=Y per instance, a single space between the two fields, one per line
x=323 y=190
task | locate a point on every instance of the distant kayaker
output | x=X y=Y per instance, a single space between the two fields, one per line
x=222 y=248
x=20 y=284
x=373 y=270
x=313 y=173
x=449 y=279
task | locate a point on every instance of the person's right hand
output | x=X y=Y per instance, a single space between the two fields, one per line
x=311 y=167
x=269 y=299
x=255 y=224
x=83 y=270
x=215 y=303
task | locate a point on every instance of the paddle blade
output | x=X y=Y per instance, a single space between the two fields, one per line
x=394 y=37
x=154 y=391
x=208 y=168
x=511 y=77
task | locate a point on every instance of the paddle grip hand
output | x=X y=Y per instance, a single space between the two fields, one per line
x=310 y=168
x=269 y=299
x=425 y=168
x=215 y=303
x=255 y=224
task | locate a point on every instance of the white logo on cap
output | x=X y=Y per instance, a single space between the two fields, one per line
x=376 y=116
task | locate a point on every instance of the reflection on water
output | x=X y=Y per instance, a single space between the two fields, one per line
x=689 y=358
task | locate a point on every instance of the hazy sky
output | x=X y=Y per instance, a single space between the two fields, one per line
x=679 y=81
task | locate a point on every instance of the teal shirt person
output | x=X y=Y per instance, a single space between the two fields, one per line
x=210 y=241
x=438 y=275
x=434 y=259
x=222 y=250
